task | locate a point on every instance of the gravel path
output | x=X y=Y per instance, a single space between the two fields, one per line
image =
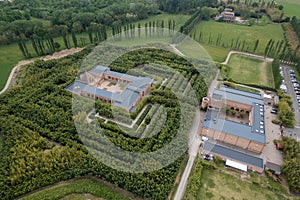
x=56 y=55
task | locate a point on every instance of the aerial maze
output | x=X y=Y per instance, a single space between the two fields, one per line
x=45 y=147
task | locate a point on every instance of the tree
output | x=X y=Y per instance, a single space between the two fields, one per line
x=255 y=45
x=286 y=115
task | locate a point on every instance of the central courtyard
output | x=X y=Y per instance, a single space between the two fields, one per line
x=112 y=86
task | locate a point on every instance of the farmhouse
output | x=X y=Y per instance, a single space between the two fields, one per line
x=228 y=16
x=121 y=90
x=249 y=135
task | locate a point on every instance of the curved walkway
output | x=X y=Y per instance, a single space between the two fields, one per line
x=56 y=55
x=247 y=54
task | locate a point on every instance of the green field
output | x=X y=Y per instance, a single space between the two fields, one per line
x=232 y=32
x=10 y=55
x=249 y=70
x=73 y=189
x=216 y=185
x=292 y=9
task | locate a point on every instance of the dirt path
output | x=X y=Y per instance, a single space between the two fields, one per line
x=247 y=54
x=56 y=55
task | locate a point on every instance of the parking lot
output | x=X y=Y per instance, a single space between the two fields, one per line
x=292 y=89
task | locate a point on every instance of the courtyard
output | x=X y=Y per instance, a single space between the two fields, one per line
x=111 y=86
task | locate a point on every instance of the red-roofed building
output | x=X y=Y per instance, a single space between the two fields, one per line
x=228 y=16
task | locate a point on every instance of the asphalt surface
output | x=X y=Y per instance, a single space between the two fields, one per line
x=292 y=132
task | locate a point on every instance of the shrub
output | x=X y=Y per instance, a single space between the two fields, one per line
x=233 y=112
x=276 y=121
x=208 y=165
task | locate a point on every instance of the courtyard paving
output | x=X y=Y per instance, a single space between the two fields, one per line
x=111 y=87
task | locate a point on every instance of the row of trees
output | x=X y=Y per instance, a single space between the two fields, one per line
x=204 y=13
x=285 y=113
x=187 y=6
x=276 y=73
x=44 y=43
x=291 y=165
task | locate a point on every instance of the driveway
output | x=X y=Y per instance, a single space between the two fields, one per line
x=247 y=54
x=270 y=153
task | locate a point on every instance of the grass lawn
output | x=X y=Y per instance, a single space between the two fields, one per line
x=218 y=54
x=77 y=189
x=290 y=7
x=249 y=70
x=232 y=32
x=216 y=185
x=81 y=197
x=193 y=49
x=10 y=55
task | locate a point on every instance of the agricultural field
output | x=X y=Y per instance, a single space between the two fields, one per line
x=291 y=7
x=249 y=70
x=79 y=189
x=234 y=36
x=216 y=185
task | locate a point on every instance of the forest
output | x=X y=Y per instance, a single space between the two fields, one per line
x=40 y=144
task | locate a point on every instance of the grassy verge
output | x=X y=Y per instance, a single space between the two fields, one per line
x=223 y=183
x=248 y=70
x=216 y=185
x=178 y=178
x=84 y=186
x=291 y=37
x=218 y=54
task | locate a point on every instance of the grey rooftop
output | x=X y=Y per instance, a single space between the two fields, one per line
x=234 y=154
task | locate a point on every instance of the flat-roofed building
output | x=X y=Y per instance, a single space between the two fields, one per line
x=121 y=90
x=235 y=158
x=249 y=136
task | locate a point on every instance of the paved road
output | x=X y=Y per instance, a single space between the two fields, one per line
x=194 y=144
x=295 y=132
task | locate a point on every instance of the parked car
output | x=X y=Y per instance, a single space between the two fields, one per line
x=208 y=157
x=274 y=111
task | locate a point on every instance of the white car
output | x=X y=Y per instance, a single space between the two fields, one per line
x=204 y=139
